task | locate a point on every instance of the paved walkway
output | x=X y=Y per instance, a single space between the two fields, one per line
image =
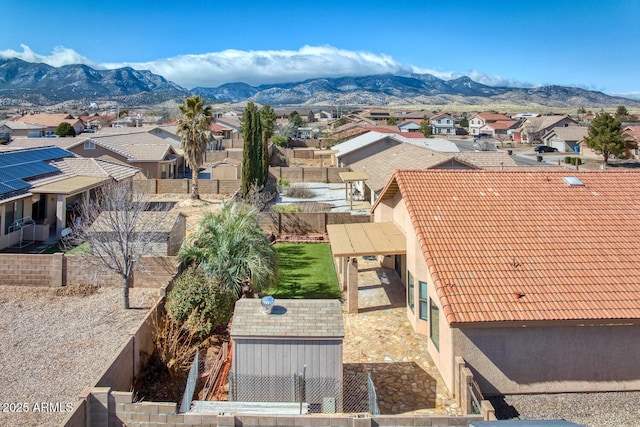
x=379 y=339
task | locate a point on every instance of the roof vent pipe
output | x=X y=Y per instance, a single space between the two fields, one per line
x=267 y=304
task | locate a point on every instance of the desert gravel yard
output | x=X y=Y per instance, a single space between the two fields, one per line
x=54 y=342
x=614 y=409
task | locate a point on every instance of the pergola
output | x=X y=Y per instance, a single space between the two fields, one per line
x=349 y=178
x=349 y=241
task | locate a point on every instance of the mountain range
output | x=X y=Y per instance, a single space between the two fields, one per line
x=25 y=83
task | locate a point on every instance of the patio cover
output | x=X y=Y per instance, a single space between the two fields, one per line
x=371 y=238
x=69 y=186
x=353 y=176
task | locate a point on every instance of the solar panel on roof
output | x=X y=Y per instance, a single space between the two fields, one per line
x=29 y=170
x=17 y=184
x=34 y=155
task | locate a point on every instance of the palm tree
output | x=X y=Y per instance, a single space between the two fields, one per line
x=194 y=128
x=232 y=250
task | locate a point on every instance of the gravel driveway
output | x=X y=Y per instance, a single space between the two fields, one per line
x=53 y=345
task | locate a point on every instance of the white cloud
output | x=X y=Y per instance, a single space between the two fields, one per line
x=268 y=66
x=59 y=57
x=261 y=66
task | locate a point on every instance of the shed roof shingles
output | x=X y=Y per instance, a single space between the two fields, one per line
x=524 y=245
x=291 y=318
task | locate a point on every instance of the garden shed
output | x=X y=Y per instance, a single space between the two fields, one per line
x=288 y=352
x=164 y=231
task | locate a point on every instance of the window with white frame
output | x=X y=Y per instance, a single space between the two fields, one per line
x=89 y=145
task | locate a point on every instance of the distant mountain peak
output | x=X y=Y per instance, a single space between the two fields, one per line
x=24 y=83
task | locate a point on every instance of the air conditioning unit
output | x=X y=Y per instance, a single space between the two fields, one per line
x=328 y=405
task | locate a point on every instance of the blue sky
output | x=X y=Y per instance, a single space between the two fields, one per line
x=591 y=44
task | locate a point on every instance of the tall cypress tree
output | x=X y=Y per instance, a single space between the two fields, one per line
x=251 y=159
x=268 y=121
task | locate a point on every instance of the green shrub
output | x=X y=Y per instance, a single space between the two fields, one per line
x=299 y=191
x=576 y=160
x=280 y=140
x=286 y=208
x=282 y=182
x=198 y=304
x=567 y=159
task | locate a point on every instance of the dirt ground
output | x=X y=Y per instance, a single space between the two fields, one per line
x=193 y=210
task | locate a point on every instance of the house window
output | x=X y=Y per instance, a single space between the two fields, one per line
x=434 y=325
x=410 y=287
x=89 y=145
x=12 y=212
x=422 y=295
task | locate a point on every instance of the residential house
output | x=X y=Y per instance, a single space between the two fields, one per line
x=378 y=115
x=380 y=166
x=565 y=139
x=228 y=168
x=409 y=126
x=52 y=121
x=162 y=231
x=155 y=156
x=40 y=187
x=529 y=276
x=443 y=124
x=22 y=129
x=478 y=121
x=369 y=143
x=532 y=129
x=631 y=135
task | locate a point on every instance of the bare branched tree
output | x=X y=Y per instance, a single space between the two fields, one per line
x=118 y=229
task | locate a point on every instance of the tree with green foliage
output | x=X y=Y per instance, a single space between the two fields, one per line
x=195 y=129
x=232 y=250
x=295 y=119
x=392 y=121
x=65 y=129
x=268 y=121
x=251 y=153
x=605 y=136
x=199 y=304
x=280 y=140
x=621 y=112
x=464 y=121
x=340 y=122
x=425 y=127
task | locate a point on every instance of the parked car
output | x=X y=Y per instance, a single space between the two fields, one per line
x=545 y=149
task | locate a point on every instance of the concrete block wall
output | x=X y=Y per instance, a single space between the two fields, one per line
x=122 y=410
x=326 y=174
x=145 y=185
x=54 y=270
x=176 y=186
x=308 y=222
x=31 y=270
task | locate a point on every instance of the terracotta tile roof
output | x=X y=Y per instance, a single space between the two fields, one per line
x=49 y=120
x=502 y=124
x=394 y=129
x=526 y=245
x=491 y=117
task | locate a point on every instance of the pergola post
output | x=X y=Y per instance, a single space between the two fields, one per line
x=352 y=286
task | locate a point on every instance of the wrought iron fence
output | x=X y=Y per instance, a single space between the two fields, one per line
x=476 y=396
x=356 y=394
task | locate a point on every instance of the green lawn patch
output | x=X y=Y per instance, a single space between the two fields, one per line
x=306 y=271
